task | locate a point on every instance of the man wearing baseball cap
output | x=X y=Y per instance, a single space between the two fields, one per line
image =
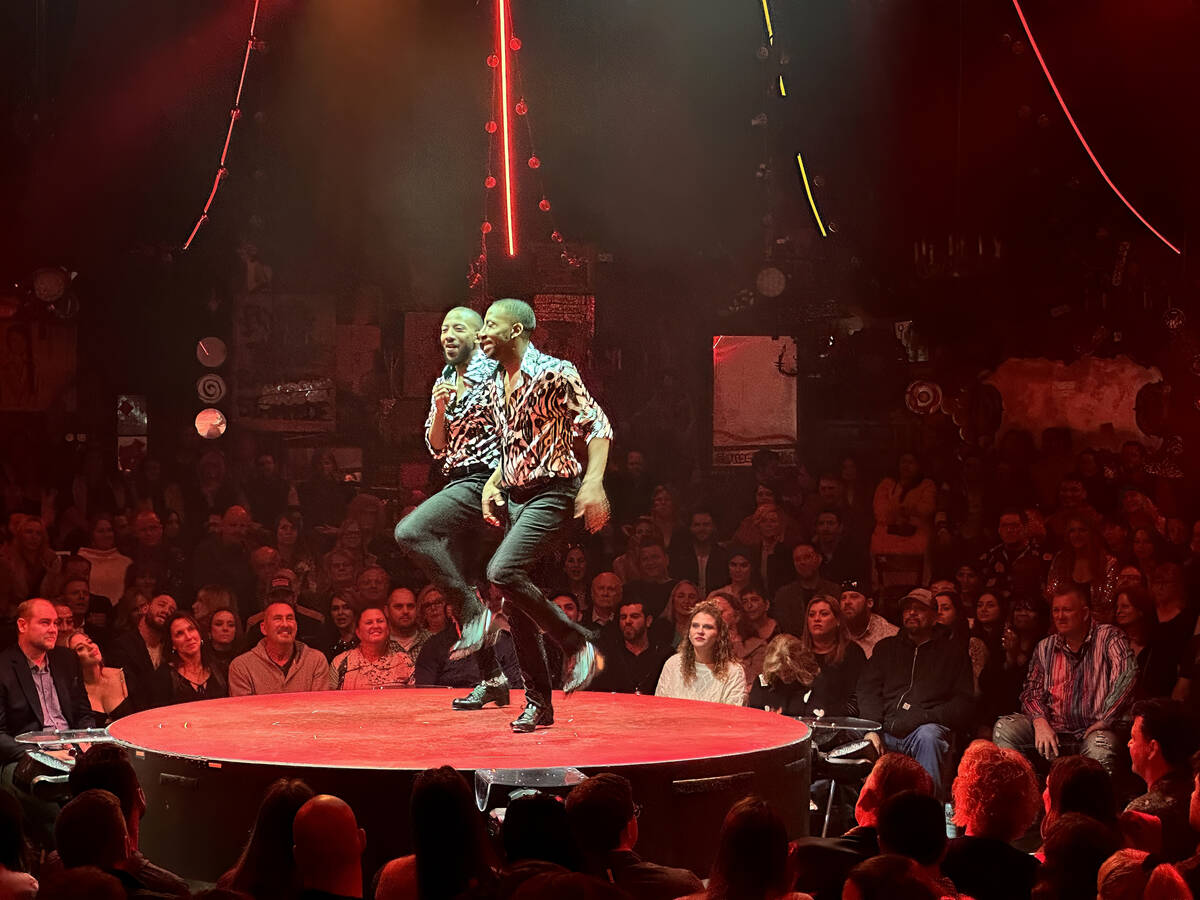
x=918 y=685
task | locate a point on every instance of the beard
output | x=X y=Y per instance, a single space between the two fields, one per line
x=459 y=355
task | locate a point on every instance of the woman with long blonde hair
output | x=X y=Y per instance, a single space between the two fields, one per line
x=704 y=668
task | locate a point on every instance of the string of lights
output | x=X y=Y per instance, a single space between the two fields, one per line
x=1078 y=133
x=508 y=101
x=235 y=113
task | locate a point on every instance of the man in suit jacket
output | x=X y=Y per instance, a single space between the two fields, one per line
x=41 y=686
x=701 y=548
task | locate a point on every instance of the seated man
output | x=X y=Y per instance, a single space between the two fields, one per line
x=822 y=863
x=278 y=664
x=142 y=651
x=91 y=832
x=634 y=656
x=789 y=604
x=919 y=685
x=41 y=687
x=106 y=767
x=865 y=626
x=604 y=820
x=1162 y=738
x=1190 y=867
x=1078 y=688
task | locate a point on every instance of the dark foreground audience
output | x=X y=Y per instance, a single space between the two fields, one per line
x=604 y=820
x=266 y=870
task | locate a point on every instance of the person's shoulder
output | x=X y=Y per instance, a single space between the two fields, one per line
x=244 y=659
x=61 y=656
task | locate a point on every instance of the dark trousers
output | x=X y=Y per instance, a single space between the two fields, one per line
x=535 y=518
x=443 y=536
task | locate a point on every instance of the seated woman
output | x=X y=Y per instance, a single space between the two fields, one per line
x=785 y=685
x=1084 y=563
x=683 y=598
x=741 y=571
x=752 y=856
x=374 y=663
x=106 y=688
x=431 y=609
x=1136 y=616
x=225 y=637
x=191 y=672
x=950 y=613
x=1001 y=681
x=704 y=667
x=341 y=623
x=839 y=659
x=749 y=649
x=208 y=600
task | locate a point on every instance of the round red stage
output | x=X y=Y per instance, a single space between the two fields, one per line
x=205 y=765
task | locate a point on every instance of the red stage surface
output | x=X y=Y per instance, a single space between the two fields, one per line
x=204 y=766
x=417 y=729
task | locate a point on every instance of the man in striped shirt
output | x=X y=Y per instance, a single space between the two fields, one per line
x=540 y=407
x=1077 y=691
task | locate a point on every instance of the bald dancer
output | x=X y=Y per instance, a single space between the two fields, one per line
x=443 y=534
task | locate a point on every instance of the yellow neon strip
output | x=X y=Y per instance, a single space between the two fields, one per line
x=767 y=18
x=782 y=89
x=808 y=190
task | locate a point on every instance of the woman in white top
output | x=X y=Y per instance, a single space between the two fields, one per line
x=108 y=563
x=704 y=667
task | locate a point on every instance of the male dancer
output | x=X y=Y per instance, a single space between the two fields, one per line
x=540 y=404
x=443 y=533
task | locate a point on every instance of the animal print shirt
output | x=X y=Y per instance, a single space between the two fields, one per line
x=471 y=437
x=539 y=422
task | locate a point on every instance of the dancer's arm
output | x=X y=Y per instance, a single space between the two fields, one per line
x=493 y=499
x=590 y=502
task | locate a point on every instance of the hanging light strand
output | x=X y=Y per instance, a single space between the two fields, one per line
x=235 y=113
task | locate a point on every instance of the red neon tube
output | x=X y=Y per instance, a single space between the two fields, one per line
x=502 y=31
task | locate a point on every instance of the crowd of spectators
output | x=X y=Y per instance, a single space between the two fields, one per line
x=1045 y=602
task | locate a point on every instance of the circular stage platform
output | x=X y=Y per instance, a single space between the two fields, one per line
x=204 y=766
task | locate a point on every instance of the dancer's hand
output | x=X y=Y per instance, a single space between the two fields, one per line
x=493 y=499
x=592 y=505
x=442 y=393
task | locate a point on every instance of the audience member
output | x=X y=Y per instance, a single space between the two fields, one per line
x=904 y=507
x=225 y=635
x=279 y=663
x=1076 y=848
x=451 y=853
x=684 y=596
x=108 y=564
x=997 y=565
x=995 y=801
x=606 y=598
x=375 y=661
x=604 y=819
x=192 y=672
x=1079 y=686
x=266 y=869
x=791 y=600
x=142 y=651
x=843 y=556
x=786 y=682
x=752 y=861
x=327 y=848
x=91 y=831
x=865 y=627
x=823 y=863
x=1161 y=741
x=633 y=660
x=1078 y=784
x=889 y=877
x=107 y=692
x=224 y=559
x=15 y=881
x=537 y=836
x=1138 y=875
x=918 y=685
x=699 y=558
x=406 y=635
x=704 y=667
x=431 y=609
x=913 y=825
x=841 y=661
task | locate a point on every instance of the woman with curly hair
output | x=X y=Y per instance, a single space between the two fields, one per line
x=704 y=668
x=996 y=799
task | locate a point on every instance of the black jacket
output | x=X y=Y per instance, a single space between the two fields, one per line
x=20 y=706
x=905 y=686
x=147 y=687
x=685 y=565
x=646 y=880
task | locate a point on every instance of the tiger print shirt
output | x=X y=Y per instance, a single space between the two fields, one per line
x=471 y=437
x=538 y=424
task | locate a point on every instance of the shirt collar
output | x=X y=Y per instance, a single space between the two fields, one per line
x=531 y=362
x=479 y=368
x=1061 y=641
